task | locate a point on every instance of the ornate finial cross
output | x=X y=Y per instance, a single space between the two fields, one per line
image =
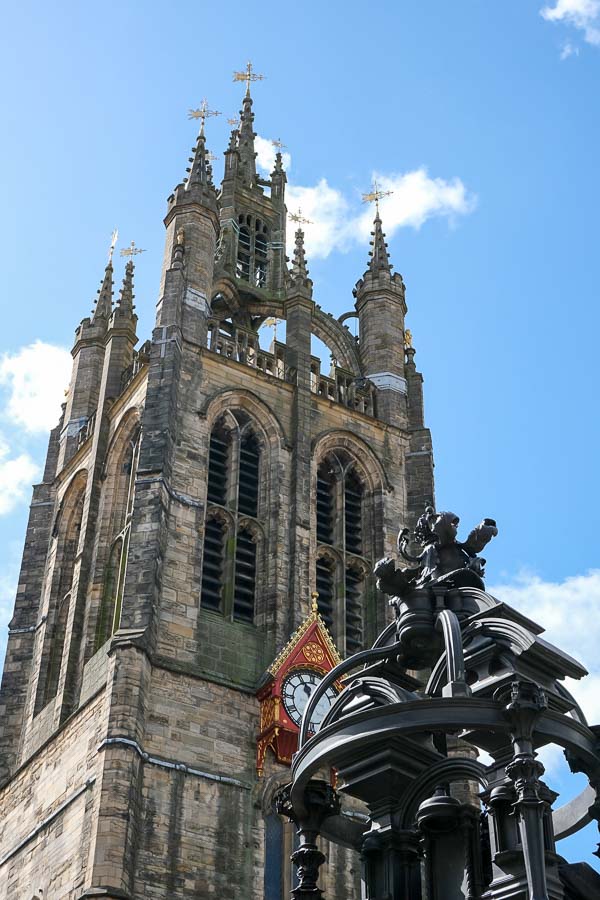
x=211 y=156
x=113 y=244
x=234 y=122
x=203 y=112
x=375 y=195
x=131 y=251
x=299 y=218
x=247 y=76
x=280 y=146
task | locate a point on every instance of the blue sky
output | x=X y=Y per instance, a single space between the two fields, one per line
x=482 y=118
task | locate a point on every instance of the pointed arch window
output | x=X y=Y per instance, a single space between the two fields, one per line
x=213 y=571
x=245 y=577
x=252 y=253
x=109 y=613
x=233 y=536
x=341 y=565
x=70 y=518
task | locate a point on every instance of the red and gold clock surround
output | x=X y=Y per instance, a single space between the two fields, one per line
x=310 y=648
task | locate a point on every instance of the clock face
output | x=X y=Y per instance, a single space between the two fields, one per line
x=297 y=688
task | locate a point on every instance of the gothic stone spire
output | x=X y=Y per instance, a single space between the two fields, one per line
x=379 y=261
x=126 y=295
x=246 y=140
x=299 y=276
x=200 y=172
x=103 y=308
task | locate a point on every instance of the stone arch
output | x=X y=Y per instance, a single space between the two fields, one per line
x=330 y=554
x=221 y=515
x=366 y=462
x=267 y=422
x=68 y=534
x=125 y=428
x=65 y=505
x=112 y=540
x=115 y=478
x=338 y=339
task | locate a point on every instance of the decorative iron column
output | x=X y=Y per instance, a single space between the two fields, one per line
x=320 y=801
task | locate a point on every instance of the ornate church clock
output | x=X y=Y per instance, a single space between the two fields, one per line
x=308 y=656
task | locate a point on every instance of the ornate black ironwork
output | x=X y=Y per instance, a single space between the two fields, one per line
x=494 y=682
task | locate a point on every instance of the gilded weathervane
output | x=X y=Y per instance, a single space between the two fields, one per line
x=299 y=218
x=203 y=112
x=131 y=251
x=375 y=195
x=248 y=75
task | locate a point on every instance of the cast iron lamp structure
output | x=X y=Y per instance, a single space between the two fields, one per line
x=455 y=663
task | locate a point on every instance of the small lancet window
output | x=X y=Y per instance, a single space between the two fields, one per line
x=353 y=491
x=354 y=614
x=249 y=473
x=245 y=577
x=218 y=465
x=212 y=570
x=325 y=504
x=325 y=589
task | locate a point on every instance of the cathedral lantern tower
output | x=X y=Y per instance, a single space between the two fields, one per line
x=199 y=489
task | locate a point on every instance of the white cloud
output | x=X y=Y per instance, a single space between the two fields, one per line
x=35 y=377
x=581 y=14
x=568 y=610
x=415 y=197
x=568 y=50
x=16 y=476
x=337 y=223
x=328 y=212
x=265 y=155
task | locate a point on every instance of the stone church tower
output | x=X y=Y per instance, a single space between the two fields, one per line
x=196 y=492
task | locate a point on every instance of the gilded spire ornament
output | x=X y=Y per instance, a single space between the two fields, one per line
x=299 y=218
x=113 y=244
x=131 y=251
x=203 y=112
x=248 y=75
x=375 y=196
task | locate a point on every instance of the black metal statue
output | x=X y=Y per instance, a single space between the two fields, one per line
x=443 y=560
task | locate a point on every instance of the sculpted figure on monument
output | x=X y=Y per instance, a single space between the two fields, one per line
x=443 y=560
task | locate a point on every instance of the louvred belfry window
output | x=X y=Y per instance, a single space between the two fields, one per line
x=341 y=567
x=325 y=504
x=252 y=252
x=245 y=577
x=213 y=566
x=218 y=462
x=233 y=530
x=325 y=589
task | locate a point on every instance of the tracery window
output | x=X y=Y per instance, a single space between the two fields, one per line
x=109 y=614
x=252 y=255
x=68 y=530
x=341 y=563
x=233 y=530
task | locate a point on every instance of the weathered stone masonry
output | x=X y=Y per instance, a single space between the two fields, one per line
x=173 y=545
